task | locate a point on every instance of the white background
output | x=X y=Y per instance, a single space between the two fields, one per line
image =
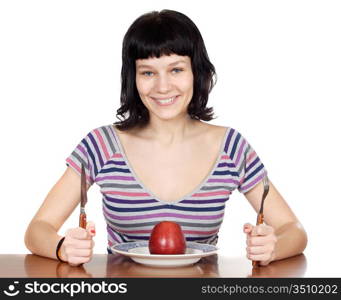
x=279 y=75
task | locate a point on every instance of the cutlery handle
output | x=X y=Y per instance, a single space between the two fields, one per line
x=260 y=220
x=82 y=220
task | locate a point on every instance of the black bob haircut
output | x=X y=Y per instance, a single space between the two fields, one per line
x=155 y=34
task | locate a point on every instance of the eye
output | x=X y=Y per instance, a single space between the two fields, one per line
x=177 y=70
x=147 y=73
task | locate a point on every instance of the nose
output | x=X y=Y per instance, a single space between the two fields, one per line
x=163 y=84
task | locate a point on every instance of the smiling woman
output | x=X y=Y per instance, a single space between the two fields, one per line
x=161 y=162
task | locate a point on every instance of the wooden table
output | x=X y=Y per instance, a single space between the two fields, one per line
x=102 y=265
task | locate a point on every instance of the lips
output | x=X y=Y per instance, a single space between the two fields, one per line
x=165 y=101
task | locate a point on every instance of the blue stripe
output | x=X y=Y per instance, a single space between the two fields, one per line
x=226 y=172
x=234 y=148
x=228 y=140
x=136 y=209
x=139 y=238
x=116 y=162
x=117 y=170
x=253 y=173
x=229 y=165
x=94 y=143
x=92 y=156
x=205 y=201
x=193 y=239
x=250 y=166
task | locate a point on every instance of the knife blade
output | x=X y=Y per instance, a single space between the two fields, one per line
x=260 y=216
x=84 y=199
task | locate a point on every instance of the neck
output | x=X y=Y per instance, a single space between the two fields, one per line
x=170 y=132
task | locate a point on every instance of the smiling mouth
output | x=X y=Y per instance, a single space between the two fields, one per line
x=165 y=101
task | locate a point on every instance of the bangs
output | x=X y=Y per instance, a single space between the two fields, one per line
x=157 y=37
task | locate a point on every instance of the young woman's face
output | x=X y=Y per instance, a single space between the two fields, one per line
x=165 y=84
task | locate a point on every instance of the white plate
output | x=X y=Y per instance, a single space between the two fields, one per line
x=139 y=252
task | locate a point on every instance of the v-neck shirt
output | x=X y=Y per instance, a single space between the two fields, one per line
x=130 y=167
x=131 y=210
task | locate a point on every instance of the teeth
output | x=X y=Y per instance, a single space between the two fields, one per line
x=165 y=100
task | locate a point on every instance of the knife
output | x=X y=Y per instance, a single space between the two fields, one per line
x=84 y=200
x=260 y=216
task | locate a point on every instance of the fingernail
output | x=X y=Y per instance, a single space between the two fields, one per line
x=93 y=231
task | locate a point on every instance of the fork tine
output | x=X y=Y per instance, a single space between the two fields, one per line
x=265 y=192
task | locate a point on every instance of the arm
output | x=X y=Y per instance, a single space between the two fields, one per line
x=286 y=233
x=41 y=236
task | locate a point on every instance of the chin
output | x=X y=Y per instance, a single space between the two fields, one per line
x=169 y=115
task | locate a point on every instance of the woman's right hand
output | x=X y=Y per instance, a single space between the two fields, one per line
x=78 y=244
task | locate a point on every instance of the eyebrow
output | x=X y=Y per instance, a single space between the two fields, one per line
x=172 y=64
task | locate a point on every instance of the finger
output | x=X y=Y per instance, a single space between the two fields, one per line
x=81 y=253
x=77 y=233
x=247 y=228
x=76 y=261
x=257 y=240
x=264 y=262
x=255 y=250
x=259 y=257
x=78 y=244
x=85 y=244
x=91 y=228
x=262 y=229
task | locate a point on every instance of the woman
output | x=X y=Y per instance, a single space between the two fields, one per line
x=161 y=162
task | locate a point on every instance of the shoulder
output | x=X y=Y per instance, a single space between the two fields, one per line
x=217 y=130
x=209 y=132
x=235 y=142
x=102 y=130
x=232 y=138
x=101 y=139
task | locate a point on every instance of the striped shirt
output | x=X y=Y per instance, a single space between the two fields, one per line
x=131 y=210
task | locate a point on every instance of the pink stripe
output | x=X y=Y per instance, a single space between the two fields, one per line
x=207 y=194
x=104 y=147
x=117 y=155
x=71 y=162
x=251 y=156
x=225 y=157
x=126 y=193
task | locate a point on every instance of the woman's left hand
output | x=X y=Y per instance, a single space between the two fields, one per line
x=261 y=241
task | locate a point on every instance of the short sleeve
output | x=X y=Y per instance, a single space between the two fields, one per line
x=251 y=168
x=83 y=155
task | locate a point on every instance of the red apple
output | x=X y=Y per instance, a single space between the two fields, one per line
x=167 y=238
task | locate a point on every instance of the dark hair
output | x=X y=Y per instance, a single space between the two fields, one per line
x=163 y=33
